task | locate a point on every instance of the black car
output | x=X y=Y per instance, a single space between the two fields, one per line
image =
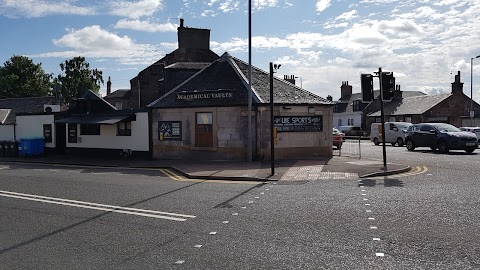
x=443 y=137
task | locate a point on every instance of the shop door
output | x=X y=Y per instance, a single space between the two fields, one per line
x=204 y=130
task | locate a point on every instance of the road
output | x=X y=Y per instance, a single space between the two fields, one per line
x=106 y=218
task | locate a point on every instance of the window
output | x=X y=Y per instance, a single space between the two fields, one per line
x=118 y=105
x=408 y=119
x=204 y=129
x=350 y=122
x=124 y=128
x=335 y=108
x=339 y=122
x=89 y=129
x=357 y=105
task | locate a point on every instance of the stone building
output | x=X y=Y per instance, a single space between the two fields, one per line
x=205 y=117
x=452 y=108
x=192 y=55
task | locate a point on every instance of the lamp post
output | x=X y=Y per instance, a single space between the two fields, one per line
x=273 y=69
x=471 y=89
x=301 y=82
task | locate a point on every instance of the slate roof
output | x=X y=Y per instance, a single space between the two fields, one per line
x=23 y=105
x=188 y=65
x=412 y=105
x=346 y=104
x=230 y=74
x=120 y=93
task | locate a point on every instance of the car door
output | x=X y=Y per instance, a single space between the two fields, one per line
x=429 y=136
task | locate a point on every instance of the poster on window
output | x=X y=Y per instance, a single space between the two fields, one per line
x=47 y=132
x=72 y=133
x=170 y=130
x=298 y=123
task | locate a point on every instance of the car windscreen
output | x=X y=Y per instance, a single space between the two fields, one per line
x=446 y=128
x=403 y=126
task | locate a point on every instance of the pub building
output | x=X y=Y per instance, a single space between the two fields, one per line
x=206 y=117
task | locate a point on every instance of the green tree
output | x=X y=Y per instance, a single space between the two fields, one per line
x=20 y=77
x=77 y=78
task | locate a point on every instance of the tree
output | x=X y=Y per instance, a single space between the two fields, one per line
x=20 y=77
x=78 y=78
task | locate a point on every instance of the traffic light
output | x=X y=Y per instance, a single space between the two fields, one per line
x=366 y=81
x=388 y=86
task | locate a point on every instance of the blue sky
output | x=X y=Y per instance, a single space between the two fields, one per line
x=324 y=42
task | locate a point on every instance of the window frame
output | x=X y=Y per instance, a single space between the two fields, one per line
x=126 y=131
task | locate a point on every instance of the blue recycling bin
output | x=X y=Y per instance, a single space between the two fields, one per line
x=32 y=146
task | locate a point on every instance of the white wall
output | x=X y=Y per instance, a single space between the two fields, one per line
x=356 y=116
x=29 y=126
x=108 y=139
x=7 y=132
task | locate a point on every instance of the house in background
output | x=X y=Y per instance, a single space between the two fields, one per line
x=205 y=117
x=94 y=126
x=349 y=110
x=452 y=108
x=11 y=107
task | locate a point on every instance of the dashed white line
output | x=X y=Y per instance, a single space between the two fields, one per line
x=197 y=246
x=212 y=233
x=179 y=262
x=373 y=227
x=379 y=254
x=368 y=211
x=371 y=218
x=376 y=239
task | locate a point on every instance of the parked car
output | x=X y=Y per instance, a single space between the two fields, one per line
x=338 y=138
x=443 y=137
x=350 y=130
x=395 y=132
x=475 y=130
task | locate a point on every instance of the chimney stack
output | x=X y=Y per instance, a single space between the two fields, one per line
x=109 y=86
x=345 y=90
x=290 y=79
x=193 y=38
x=330 y=98
x=457 y=86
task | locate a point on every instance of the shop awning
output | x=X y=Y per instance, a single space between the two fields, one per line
x=96 y=119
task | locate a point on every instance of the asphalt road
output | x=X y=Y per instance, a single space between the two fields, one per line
x=141 y=219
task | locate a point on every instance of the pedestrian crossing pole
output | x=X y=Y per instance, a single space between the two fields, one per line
x=382 y=116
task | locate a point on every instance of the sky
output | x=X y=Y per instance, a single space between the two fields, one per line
x=322 y=42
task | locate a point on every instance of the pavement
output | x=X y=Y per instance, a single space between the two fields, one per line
x=336 y=167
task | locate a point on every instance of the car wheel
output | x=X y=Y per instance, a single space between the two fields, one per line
x=400 y=142
x=442 y=147
x=470 y=150
x=375 y=141
x=410 y=146
x=433 y=148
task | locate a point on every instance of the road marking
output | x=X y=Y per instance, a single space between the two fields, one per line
x=379 y=254
x=414 y=171
x=180 y=178
x=198 y=246
x=376 y=239
x=373 y=227
x=213 y=233
x=371 y=218
x=97 y=206
x=179 y=262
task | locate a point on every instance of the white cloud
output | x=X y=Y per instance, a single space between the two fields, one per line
x=93 y=41
x=146 y=26
x=348 y=15
x=261 y=4
x=135 y=9
x=34 y=8
x=322 y=5
x=228 y=6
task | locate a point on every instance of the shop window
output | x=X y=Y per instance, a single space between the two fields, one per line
x=89 y=129
x=124 y=128
x=204 y=129
x=47 y=132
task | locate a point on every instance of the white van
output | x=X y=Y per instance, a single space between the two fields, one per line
x=395 y=132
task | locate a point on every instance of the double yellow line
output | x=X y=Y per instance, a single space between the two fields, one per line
x=414 y=171
x=180 y=178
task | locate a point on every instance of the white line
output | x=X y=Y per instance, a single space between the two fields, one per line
x=23 y=195
x=379 y=254
x=94 y=208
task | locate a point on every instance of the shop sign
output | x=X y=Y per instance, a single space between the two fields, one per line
x=170 y=130
x=298 y=123
x=205 y=95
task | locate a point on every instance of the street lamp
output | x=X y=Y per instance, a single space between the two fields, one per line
x=471 y=89
x=301 y=82
x=273 y=69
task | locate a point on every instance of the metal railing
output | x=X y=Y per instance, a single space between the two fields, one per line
x=351 y=147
